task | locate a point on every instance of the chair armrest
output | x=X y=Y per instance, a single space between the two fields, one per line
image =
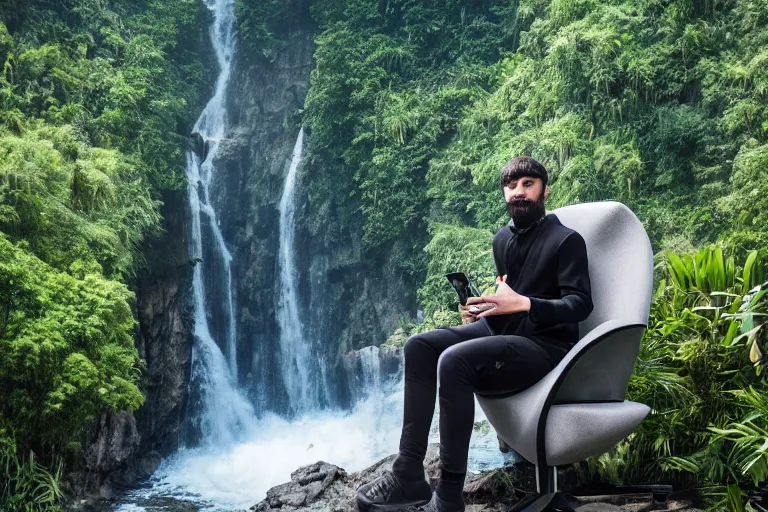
x=596 y=369
x=588 y=341
x=548 y=387
x=520 y=419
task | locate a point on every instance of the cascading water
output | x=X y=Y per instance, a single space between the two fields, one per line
x=238 y=453
x=300 y=362
x=211 y=126
x=220 y=413
x=370 y=363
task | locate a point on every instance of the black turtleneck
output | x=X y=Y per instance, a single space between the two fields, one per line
x=517 y=247
x=546 y=262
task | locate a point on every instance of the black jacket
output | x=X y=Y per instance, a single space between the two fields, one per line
x=548 y=264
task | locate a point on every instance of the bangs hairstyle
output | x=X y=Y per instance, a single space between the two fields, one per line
x=522 y=166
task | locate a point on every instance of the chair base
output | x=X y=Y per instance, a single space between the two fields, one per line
x=534 y=503
x=547 y=497
x=564 y=502
x=545 y=502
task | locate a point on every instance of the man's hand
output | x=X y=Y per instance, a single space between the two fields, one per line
x=506 y=299
x=466 y=316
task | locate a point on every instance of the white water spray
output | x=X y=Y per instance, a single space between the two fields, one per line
x=237 y=477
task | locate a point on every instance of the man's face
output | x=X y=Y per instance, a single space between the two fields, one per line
x=525 y=198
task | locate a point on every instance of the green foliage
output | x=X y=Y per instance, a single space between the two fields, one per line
x=25 y=485
x=120 y=76
x=391 y=83
x=655 y=105
x=96 y=103
x=261 y=25
x=455 y=248
x=746 y=199
x=398 y=338
x=67 y=349
x=71 y=202
x=702 y=370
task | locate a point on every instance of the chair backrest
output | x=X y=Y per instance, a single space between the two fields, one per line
x=620 y=261
x=621 y=276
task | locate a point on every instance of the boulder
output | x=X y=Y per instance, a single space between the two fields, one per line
x=323 y=487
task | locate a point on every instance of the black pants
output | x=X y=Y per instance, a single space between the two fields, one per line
x=468 y=359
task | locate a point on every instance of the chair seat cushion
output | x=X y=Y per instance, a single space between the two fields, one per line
x=580 y=430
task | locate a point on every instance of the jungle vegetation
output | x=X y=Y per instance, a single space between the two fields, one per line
x=413 y=107
x=96 y=103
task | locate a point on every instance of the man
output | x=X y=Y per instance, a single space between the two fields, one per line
x=543 y=292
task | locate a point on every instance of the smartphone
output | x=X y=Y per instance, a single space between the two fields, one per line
x=463 y=286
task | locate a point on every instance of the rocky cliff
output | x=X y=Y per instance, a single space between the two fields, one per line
x=346 y=302
x=127 y=447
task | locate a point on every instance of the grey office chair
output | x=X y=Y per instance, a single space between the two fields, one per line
x=578 y=409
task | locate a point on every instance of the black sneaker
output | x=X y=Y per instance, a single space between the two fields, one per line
x=435 y=505
x=387 y=493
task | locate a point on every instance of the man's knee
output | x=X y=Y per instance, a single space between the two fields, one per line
x=451 y=366
x=414 y=346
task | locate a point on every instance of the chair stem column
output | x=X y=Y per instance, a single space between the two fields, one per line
x=546 y=480
x=546 y=487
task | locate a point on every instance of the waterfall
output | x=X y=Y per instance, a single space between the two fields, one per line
x=302 y=371
x=237 y=456
x=372 y=373
x=220 y=412
x=211 y=126
x=370 y=364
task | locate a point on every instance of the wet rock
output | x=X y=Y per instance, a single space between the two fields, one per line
x=325 y=487
x=328 y=488
x=302 y=492
x=320 y=487
x=500 y=486
x=371 y=369
x=199 y=146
